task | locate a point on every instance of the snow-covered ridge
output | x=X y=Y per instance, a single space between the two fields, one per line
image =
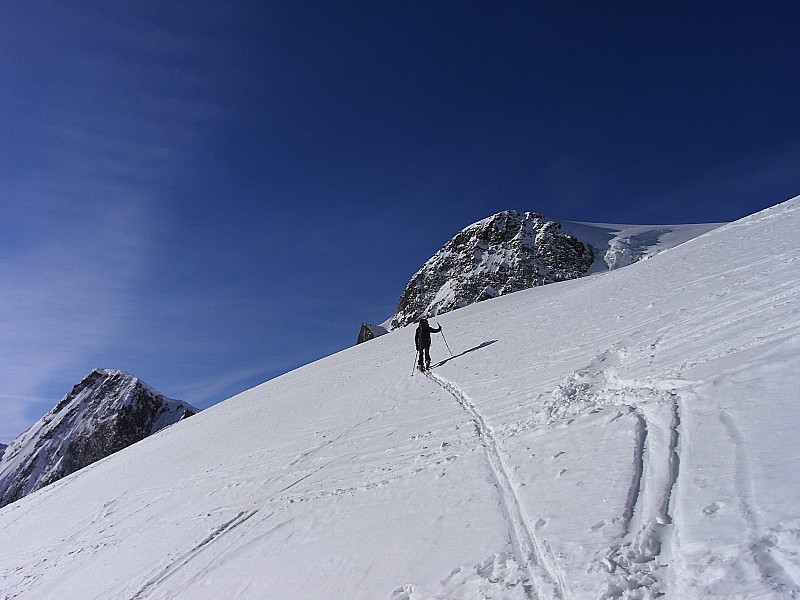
x=629 y=435
x=618 y=246
x=512 y=251
x=107 y=411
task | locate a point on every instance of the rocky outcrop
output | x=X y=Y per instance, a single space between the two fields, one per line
x=369 y=331
x=504 y=253
x=103 y=414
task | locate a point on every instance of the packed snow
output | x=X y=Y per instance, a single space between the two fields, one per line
x=627 y=435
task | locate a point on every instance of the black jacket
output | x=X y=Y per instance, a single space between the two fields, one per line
x=423 y=336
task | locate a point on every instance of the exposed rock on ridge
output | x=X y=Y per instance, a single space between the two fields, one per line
x=370 y=331
x=103 y=414
x=504 y=253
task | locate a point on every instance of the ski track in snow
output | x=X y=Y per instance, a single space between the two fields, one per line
x=543 y=578
x=634 y=565
x=636 y=562
x=771 y=570
x=181 y=561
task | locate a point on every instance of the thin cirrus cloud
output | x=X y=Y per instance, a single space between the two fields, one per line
x=82 y=210
x=64 y=293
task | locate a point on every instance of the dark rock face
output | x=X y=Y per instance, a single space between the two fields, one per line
x=369 y=332
x=505 y=253
x=103 y=414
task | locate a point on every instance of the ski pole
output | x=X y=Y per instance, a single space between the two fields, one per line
x=445 y=341
x=414 y=366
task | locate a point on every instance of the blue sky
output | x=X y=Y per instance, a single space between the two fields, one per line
x=209 y=194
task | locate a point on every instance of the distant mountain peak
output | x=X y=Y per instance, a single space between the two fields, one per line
x=107 y=411
x=506 y=252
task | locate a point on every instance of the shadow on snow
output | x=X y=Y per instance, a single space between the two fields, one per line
x=479 y=347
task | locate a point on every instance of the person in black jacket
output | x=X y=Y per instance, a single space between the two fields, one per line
x=422 y=339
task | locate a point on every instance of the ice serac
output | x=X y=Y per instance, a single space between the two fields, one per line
x=104 y=413
x=507 y=252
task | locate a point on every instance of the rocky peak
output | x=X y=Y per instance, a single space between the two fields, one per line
x=504 y=253
x=107 y=411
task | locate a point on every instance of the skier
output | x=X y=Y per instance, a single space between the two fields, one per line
x=422 y=339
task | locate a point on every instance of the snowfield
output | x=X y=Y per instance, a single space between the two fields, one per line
x=632 y=434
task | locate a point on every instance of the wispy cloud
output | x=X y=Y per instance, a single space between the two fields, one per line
x=116 y=120
x=212 y=389
x=65 y=290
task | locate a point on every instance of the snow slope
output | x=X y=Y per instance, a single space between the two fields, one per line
x=618 y=436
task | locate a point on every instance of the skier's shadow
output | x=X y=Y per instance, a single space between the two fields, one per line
x=479 y=347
